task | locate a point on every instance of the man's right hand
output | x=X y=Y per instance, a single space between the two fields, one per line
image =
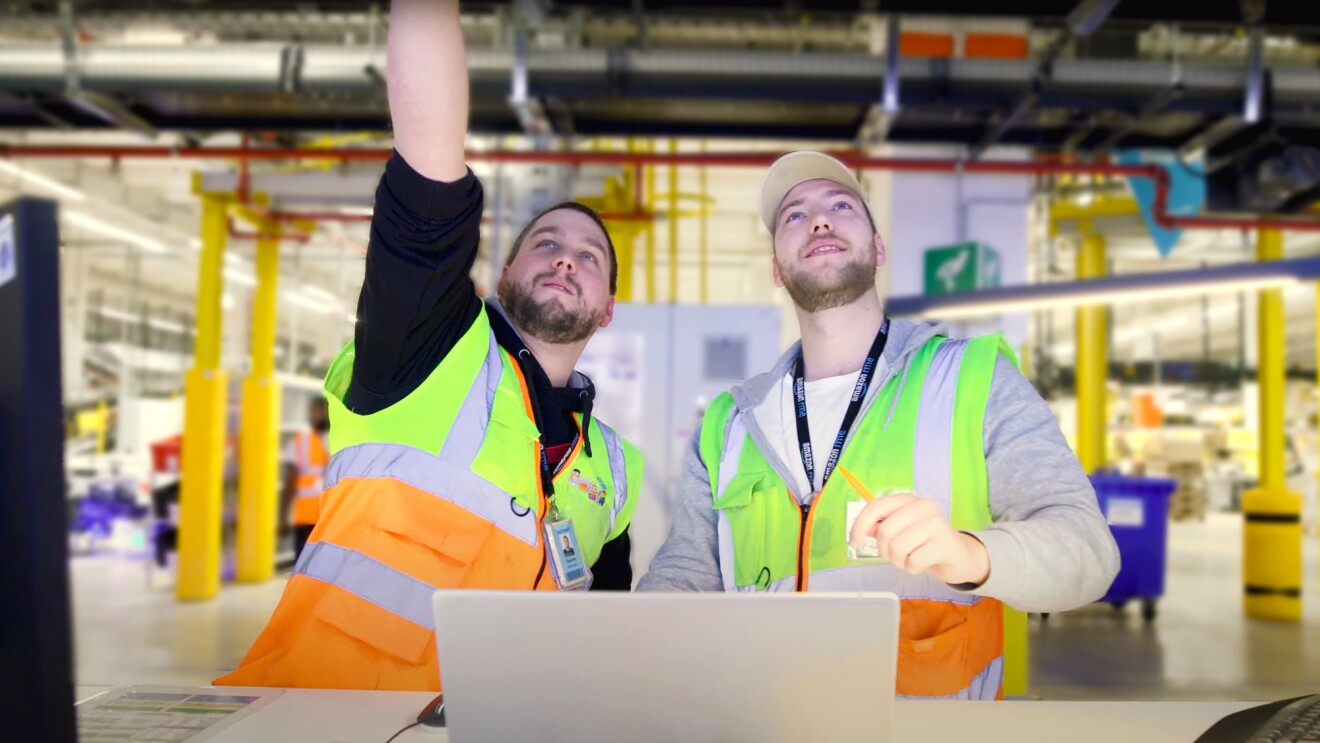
x=428 y=87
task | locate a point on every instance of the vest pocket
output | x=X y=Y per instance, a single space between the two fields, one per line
x=933 y=648
x=743 y=522
x=373 y=626
x=443 y=529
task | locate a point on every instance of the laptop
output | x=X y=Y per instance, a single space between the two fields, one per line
x=524 y=665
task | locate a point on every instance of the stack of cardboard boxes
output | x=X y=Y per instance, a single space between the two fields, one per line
x=1179 y=454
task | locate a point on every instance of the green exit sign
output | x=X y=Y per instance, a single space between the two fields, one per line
x=963 y=267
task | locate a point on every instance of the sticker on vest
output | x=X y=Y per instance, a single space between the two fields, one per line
x=870 y=549
x=565 y=556
x=596 y=491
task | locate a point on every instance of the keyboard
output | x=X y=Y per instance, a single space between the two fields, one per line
x=1299 y=722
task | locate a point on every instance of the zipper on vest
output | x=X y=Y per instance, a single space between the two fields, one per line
x=804 y=539
x=543 y=508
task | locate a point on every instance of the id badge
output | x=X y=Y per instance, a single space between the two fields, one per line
x=565 y=556
x=870 y=549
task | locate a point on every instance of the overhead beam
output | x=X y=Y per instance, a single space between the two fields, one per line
x=111 y=111
x=1153 y=106
x=1084 y=19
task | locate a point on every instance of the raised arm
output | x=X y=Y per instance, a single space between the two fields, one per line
x=417 y=298
x=428 y=86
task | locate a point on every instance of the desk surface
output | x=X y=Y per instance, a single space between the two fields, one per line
x=327 y=716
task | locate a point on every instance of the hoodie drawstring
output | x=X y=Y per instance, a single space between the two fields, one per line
x=587 y=395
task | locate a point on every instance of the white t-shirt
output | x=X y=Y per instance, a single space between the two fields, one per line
x=827 y=401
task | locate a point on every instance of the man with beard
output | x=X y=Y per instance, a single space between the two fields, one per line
x=456 y=422
x=957 y=491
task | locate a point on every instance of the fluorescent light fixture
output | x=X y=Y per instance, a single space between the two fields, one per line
x=105 y=229
x=1078 y=298
x=166 y=325
x=301 y=299
x=115 y=314
x=316 y=292
x=355 y=211
x=43 y=182
x=240 y=277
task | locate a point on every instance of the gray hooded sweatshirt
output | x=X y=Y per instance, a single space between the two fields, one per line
x=1050 y=548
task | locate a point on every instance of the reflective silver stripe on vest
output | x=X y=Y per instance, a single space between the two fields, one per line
x=984 y=687
x=469 y=430
x=887 y=578
x=734 y=438
x=725 y=534
x=783 y=585
x=618 y=469
x=369 y=579
x=446 y=480
x=932 y=469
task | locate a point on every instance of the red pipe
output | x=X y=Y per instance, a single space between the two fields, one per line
x=244 y=175
x=848 y=157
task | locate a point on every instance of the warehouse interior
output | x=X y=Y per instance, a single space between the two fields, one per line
x=215 y=165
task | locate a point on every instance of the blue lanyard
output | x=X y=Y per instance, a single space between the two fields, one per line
x=850 y=415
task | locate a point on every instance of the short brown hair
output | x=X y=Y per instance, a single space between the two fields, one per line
x=579 y=208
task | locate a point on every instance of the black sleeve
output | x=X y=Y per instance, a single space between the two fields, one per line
x=417 y=297
x=613 y=570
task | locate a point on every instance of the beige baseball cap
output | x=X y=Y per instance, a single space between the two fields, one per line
x=797 y=167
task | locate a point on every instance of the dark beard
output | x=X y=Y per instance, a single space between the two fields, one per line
x=815 y=293
x=547 y=321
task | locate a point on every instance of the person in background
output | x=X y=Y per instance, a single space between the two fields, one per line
x=304 y=471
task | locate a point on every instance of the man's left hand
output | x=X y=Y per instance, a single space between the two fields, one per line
x=914 y=536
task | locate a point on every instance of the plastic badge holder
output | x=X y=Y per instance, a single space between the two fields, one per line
x=567 y=564
x=870 y=549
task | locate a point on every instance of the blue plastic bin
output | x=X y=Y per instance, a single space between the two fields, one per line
x=1137 y=509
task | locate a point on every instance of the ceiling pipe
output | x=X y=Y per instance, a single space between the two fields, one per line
x=850 y=158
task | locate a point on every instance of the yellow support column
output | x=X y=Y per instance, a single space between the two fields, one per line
x=202 y=474
x=1092 y=360
x=650 y=229
x=702 y=256
x=673 y=224
x=1017 y=658
x=259 y=436
x=624 y=231
x=102 y=425
x=1272 y=532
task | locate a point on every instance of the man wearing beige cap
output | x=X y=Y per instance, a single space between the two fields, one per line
x=881 y=455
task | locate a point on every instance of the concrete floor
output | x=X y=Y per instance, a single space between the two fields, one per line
x=1200 y=647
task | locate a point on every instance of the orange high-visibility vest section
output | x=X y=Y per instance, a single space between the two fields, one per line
x=310 y=457
x=440 y=490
